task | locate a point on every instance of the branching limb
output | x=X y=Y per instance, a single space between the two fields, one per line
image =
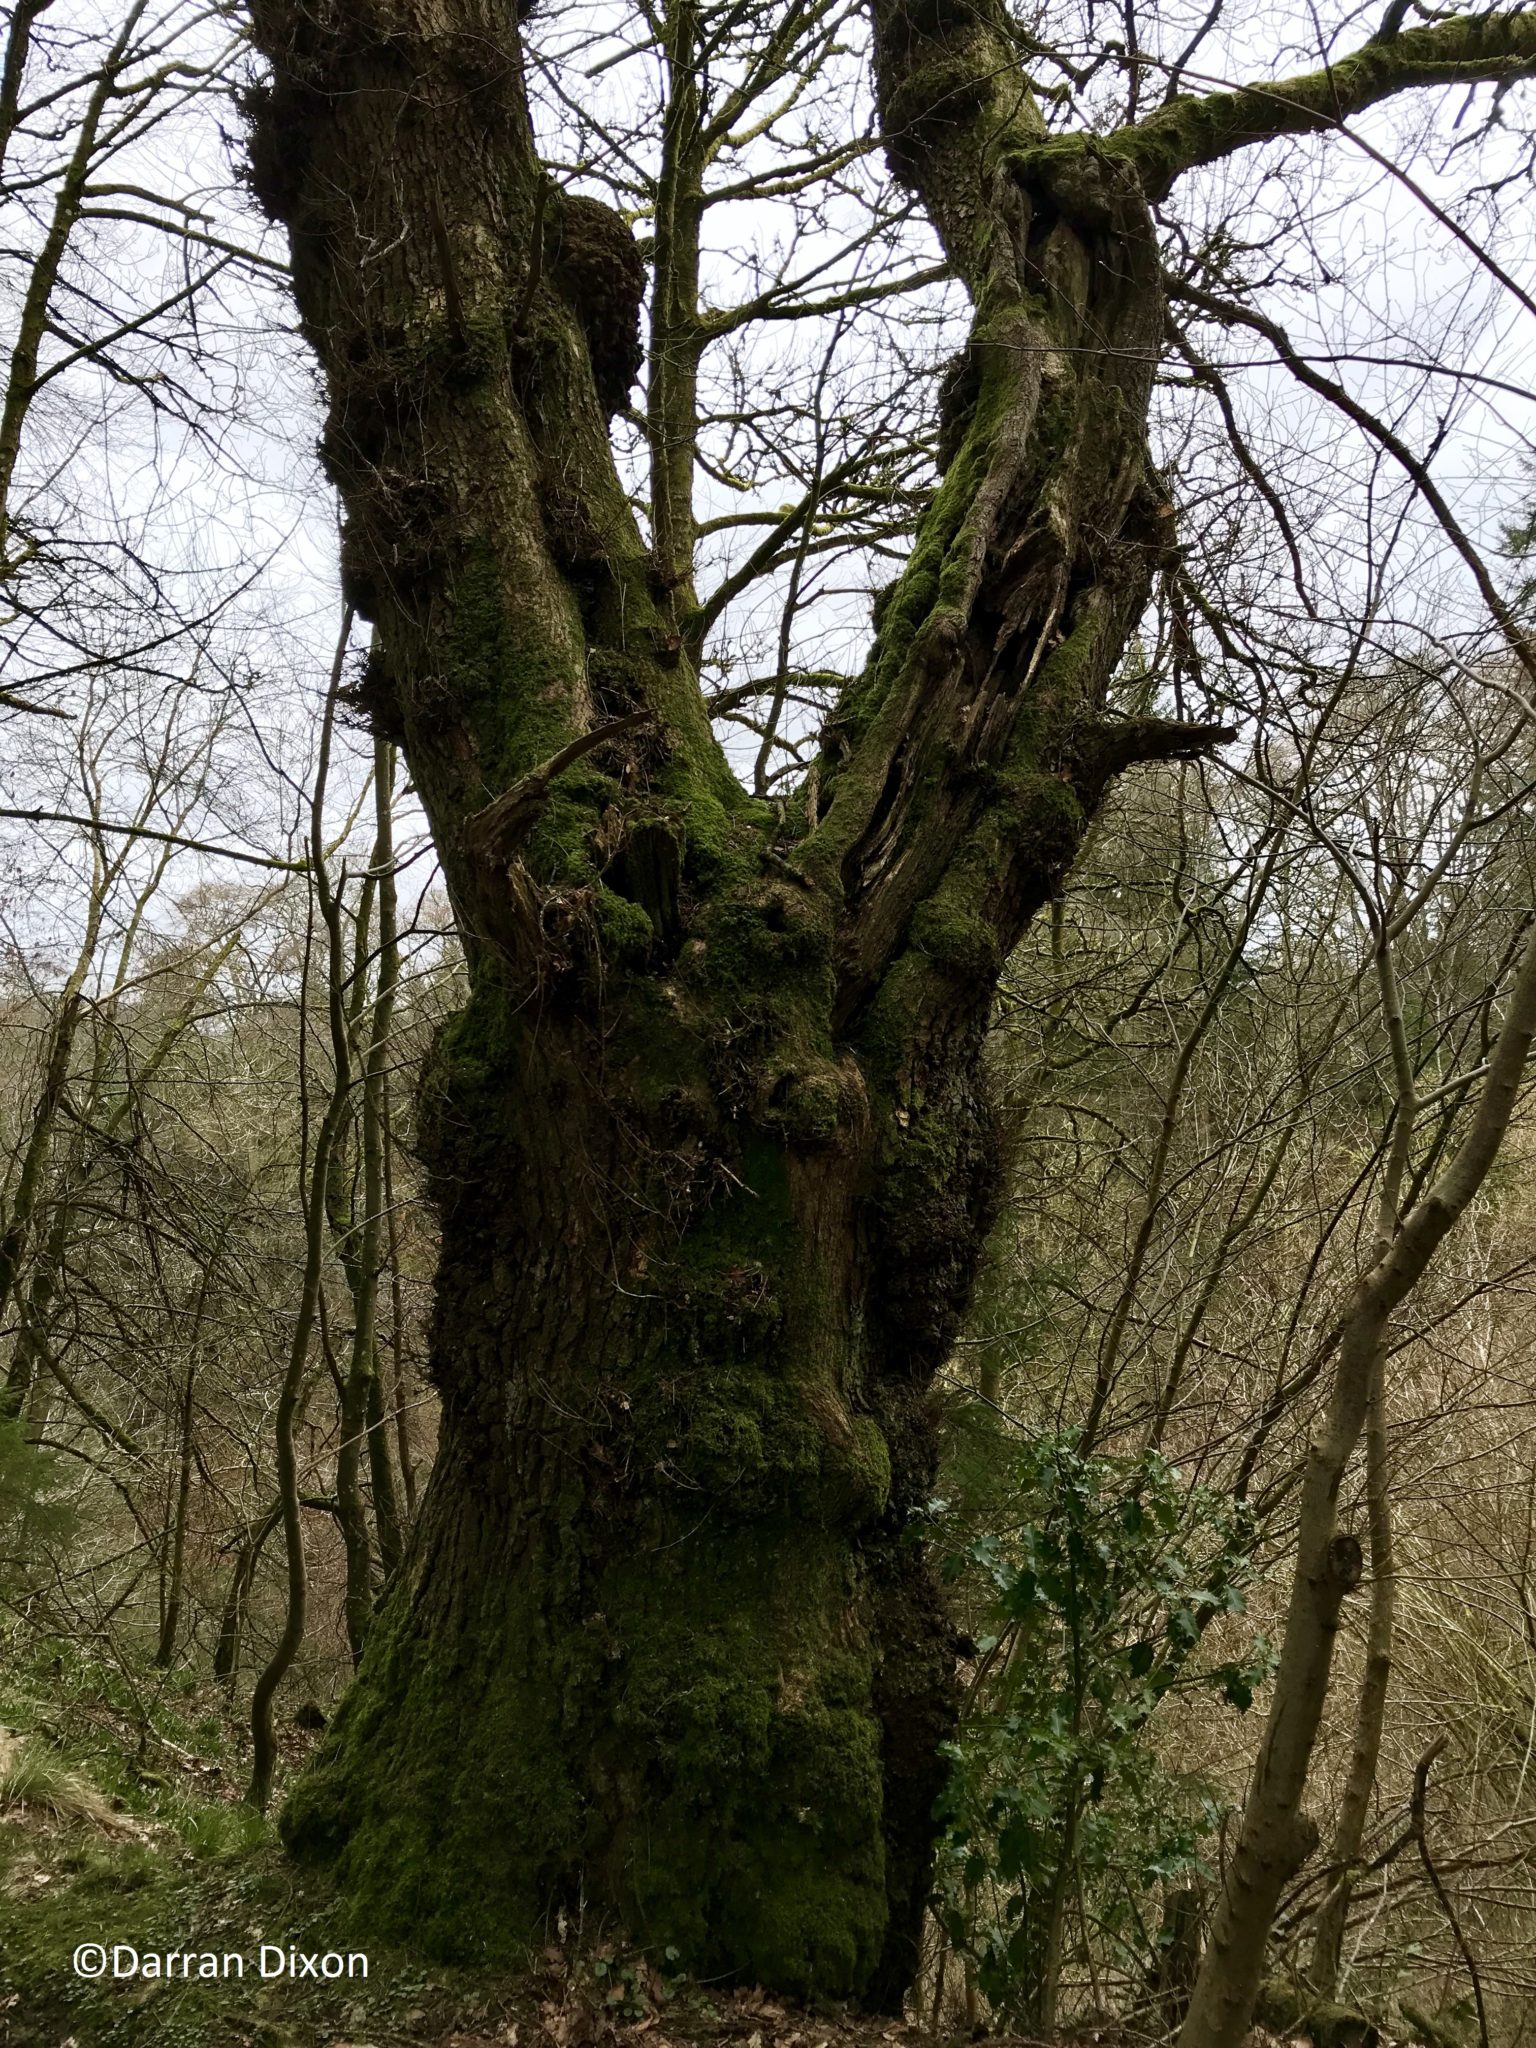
x=1467 y=49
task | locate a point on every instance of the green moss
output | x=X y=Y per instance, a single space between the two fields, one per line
x=944 y=92
x=617 y=681
x=656 y=1692
x=441 y=1793
x=736 y=1735
x=461 y=1084
x=952 y=932
x=518 y=692
x=1040 y=817
x=761 y=942
x=625 y=933
x=723 y=842
x=864 y=1473
x=772 y=1710
x=804 y=1097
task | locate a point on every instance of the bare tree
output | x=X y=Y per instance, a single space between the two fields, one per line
x=709 y=1140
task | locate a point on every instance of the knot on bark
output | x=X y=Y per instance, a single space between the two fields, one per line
x=374 y=699
x=1084 y=185
x=312 y=46
x=593 y=261
x=279 y=119
x=1346 y=1563
x=1296 y=1838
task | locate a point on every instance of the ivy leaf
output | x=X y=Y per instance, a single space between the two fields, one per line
x=1236 y=1689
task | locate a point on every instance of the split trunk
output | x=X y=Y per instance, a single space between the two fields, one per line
x=710 y=1140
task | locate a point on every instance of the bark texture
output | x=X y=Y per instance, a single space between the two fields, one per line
x=1371 y=1704
x=710 y=1141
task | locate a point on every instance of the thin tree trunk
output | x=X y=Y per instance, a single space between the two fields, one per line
x=1275 y=1837
x=29 y=1355
x=226 y=1651
x=291 y=1396
x=18 y=42
x=32 y=1181
x=677 y=332
x=1370 y=1710
x=360 y=1233
x=1054 y=1944
x=349 y=1230
x=170 y=1618
x=380 y=1050
x=397 y=1394
x=32 y=318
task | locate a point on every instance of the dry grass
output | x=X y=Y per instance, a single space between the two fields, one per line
x=32 y=1782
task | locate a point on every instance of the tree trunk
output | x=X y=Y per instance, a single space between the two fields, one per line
x=173 y=1576
x=293 y=1393
x=226 y=1651
x=17 y=1224
x=25 y=1392
x=642 y=1650
x=1276 y=1836
x=709 y=1141
x=1371 y=1707
x=397 y=1391
x=375 y=1140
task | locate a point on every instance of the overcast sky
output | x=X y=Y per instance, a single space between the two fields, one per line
x=181 y=501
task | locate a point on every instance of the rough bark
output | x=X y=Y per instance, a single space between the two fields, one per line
x=709 y=1140
x=1370 y=1707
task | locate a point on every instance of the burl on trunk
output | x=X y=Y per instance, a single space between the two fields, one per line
x=710 y=1139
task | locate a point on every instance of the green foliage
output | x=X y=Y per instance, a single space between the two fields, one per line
x=1097 y=1588
x=34 y=1512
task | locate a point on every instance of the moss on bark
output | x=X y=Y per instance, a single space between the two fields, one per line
x=710 y=1143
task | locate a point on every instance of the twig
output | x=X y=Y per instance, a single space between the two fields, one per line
x=1421 y=1771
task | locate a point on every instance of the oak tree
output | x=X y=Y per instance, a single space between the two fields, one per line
x=710 y=1139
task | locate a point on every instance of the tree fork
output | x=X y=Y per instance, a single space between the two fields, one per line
x=710 y=1141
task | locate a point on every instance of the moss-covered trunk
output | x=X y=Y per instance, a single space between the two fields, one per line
x=709 y=1142
x=643 y=1653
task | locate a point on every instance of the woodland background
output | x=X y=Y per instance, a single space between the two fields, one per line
x=219 y=925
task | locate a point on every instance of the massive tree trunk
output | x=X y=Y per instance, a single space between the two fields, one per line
x=710 y=1140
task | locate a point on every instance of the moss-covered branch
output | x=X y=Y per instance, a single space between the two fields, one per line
x=1464 y=50
x=960 y=769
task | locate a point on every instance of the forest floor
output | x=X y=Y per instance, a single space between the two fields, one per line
x=67 y=1880
x=122 y=1829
